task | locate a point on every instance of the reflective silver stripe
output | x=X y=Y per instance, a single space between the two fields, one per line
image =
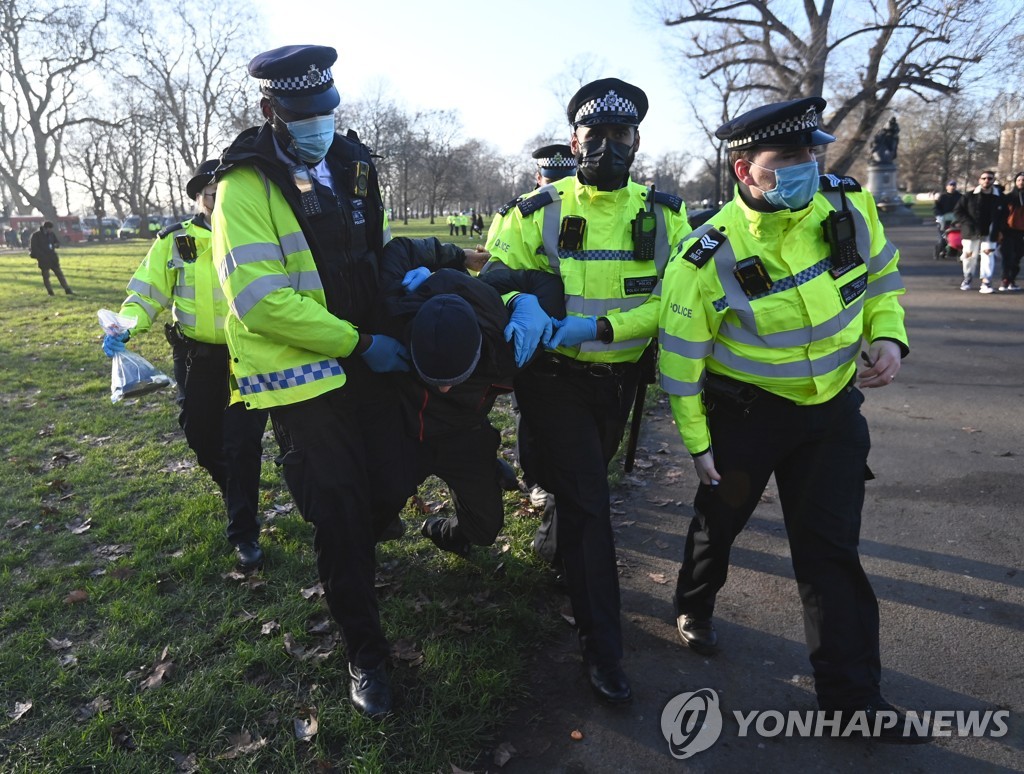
x=884 y=284
x=880 y=261
x=615 y=346
x=549 y=229
x=860 y=223
x=219 y=321
x=146 y=306
x=825 y=364
x=293 y=243
x=145 y=289
x=682 y=389
x=735 y=298
x=695 y=350
x=662 y=249
x=387 y=234
x=218 y=293
x=795 y=338
x=254 y=253
x=184 y=317
x=185 y=291
x=256 y=291
x=493 y=263
x=305 y=280
x=597 y=307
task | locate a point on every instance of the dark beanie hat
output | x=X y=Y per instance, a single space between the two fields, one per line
x=445 y=340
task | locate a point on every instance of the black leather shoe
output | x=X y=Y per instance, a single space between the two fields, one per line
x=886 y=725
x=609 y=682
x=370 y=691
x=507 y=478
x=433 y=528
x=698 y=634
x=250 y=555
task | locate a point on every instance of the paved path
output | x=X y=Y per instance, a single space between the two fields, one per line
x=942 y=541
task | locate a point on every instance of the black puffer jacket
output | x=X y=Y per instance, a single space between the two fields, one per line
x=981 y=215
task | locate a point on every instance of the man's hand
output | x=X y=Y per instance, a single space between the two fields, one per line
x=476 y=258
x=883 y=363
x=114 y=343
x=386 y=354
x=414 y=278
x=529 y=327
x=705 y=467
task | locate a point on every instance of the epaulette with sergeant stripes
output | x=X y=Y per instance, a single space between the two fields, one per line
x=832 y=183
x=700 y=252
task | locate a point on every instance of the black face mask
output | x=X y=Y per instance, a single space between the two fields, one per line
x=604 y=163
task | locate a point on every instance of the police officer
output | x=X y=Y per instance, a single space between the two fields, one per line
x=299 y=229
x=608 y=240
x=763 y=313
x=553 y=163
x=178 y=272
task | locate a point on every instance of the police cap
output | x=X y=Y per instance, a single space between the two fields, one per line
x=555 y=161
x=298 y=78
x=607 y=101
x=201 y=178
x=780 y=124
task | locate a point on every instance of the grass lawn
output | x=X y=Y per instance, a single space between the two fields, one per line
x=128 y=643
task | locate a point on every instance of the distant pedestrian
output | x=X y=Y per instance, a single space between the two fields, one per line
x=43 y=248
x=1012 y=246
x=980 y=214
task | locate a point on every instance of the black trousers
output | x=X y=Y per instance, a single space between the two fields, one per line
x=46 y=267
x=346 y=463
x=577 y=420
x=1011 y=250
x=819 y=457
x=227 y=440
x=465 y=461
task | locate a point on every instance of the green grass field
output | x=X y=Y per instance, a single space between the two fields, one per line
x=128 y=643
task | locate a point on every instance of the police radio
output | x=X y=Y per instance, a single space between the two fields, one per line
x=360 y=178
x=645 y=228
x=307 y=195
x=841 y=235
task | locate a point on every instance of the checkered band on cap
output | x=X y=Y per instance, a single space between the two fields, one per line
x=807 y=122
x=313 y=78
x=609 y=103
x=557 y=161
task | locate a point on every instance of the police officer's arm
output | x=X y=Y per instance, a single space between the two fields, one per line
x=884 y=327
x=512 y=243
x=687 y=331
x=250 y=265
x=151 y=287
x=548 y=288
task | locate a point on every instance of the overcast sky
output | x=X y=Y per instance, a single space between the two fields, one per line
x=497 y=63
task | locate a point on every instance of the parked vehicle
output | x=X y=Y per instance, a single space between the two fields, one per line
x=68 y=227
x=100 y=228
x=130 y=227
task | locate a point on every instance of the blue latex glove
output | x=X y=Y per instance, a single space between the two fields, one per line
x=573 y=331
x=113 y=343
x=529 y=325
x=386 y=354
x=414 y=278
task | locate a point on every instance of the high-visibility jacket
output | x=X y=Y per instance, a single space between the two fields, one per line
x=178 y=272
x=602 y=277
x=801 y=338
x=285 y=344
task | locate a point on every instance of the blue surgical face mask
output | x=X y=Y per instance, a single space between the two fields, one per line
x=311 y=137
x=795 y=185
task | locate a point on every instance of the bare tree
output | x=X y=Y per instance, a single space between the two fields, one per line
x=437 y=132
x=883 y=47
x=45 y=52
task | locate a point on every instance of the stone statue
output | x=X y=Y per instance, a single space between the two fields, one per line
x=884 y=144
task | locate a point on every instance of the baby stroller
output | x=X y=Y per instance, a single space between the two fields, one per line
x=950 y=245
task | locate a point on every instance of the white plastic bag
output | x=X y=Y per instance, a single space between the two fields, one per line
x=130 y=374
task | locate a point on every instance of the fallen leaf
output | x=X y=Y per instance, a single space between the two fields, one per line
x=12 y=524
x=234 y=575
x=178 y=467
x=121 y=737
x=93 y=708
x=185 y=764
x=576 y=735
x=661 y=544
x=408 y=651
x=67 y=660
x=163 y=669
x=58 y=644
x=292 y=648
x=20 y=708
x=643 y=464
x=242 y=743
x=320 y=626
x=657 y=577
x=76 y=596
x=970 y=430
x=503 y=753
x=306 y=728
x=313 y=591
x=269 y=627
x=78 y=526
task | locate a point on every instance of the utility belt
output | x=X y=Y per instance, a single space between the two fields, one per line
x=178 y=340
x=559 y=365
x=744 y=395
